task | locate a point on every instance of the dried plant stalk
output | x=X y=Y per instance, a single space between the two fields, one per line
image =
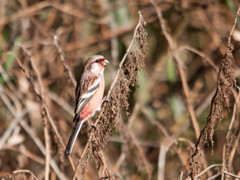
x=118 y=95
x=226 y=84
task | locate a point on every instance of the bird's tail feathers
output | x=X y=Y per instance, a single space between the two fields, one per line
x=73 y=138
x=76 y=118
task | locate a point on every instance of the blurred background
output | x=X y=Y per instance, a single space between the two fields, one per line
x=157 y=115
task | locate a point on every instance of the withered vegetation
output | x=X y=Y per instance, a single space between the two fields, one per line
x=109 y=119
x=172 y=89
x=226 y=87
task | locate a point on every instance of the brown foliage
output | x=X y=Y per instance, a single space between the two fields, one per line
x=226 y=86
x=167 y=79
x=107 y=122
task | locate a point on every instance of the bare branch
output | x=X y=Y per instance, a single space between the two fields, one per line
x=175 y=52
x=23 y=171
x=38 y=142
x=13 y=125
x=207 y=169
x=45 y=110
x=62 y=57
x=233 y=175
x=234 y=25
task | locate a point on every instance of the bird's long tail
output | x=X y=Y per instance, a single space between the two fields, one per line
x=73 y=138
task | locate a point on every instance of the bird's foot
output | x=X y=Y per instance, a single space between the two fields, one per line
x=93 y=126
x=105 y=99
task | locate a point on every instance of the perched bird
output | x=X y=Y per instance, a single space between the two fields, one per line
x=89 y=95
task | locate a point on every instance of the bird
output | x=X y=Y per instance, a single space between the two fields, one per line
x=88 y=95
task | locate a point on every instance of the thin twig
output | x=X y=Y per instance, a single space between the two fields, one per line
x=139 y=149
x=9 y=83
x=114 y=175
x=229 y=133
x=181 y=176
x=164 y=145
x=131 y=120
x=187 y=141
x=234 y=25
x=146 y=143
x=45 y=127
x=135 y=112
x=234 y=148
x=37 y=141
x=159 y=125
x=35 y=9
x=41 y=147
x=233 y=175
x=205 y=103
x=214 y=176
x=114 y=39
x=62 y=57
x=13 y=97
x=61 y=102
x=205 y=170
x=23 y=150
x=216 y=105
x=45 y=106
x=6 y=100
x=175 y=53
x=161 y=160
x=140 y=22
x=11 y=175
x=13 y=125
x=214 y=66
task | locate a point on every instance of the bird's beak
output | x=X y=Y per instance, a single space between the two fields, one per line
x=105 y=62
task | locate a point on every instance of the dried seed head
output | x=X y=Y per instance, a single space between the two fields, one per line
x=108 y=121
x=226 y=84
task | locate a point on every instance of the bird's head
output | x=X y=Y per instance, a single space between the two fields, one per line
x=96 y=64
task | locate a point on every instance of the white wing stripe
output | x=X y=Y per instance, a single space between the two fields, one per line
x=87 y=95
x=91 y=90
x=79 y=106
x=95 y=83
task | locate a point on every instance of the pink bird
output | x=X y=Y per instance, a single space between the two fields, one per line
x=89 y=95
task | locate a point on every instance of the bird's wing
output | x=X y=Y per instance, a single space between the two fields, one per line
x=85 y=90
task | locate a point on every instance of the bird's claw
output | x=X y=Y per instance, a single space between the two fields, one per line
x=105 y=99
x=93 y=126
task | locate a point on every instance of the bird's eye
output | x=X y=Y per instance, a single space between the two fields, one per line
x=98 y=61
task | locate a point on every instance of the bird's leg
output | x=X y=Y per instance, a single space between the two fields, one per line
x=91 y=124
